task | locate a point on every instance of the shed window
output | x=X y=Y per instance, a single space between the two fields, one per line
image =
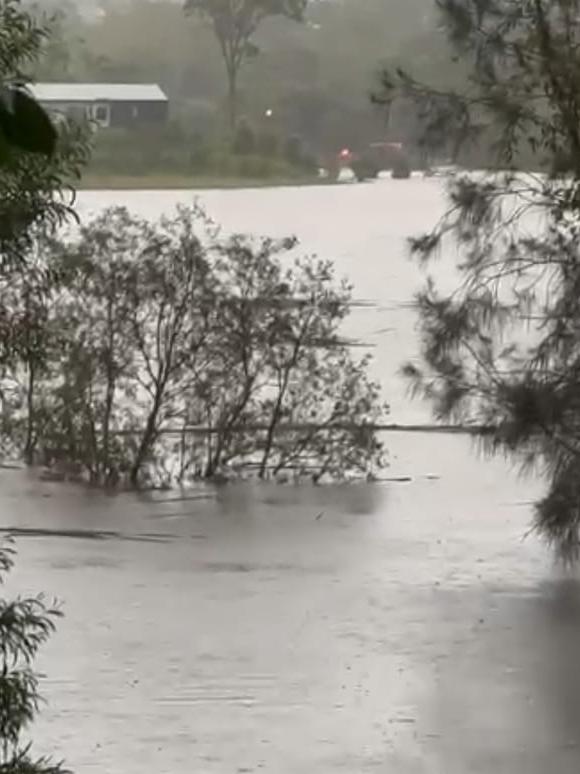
x=102 y=114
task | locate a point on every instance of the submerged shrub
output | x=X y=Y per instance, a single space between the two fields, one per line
x=244 y=142
x=165 y=352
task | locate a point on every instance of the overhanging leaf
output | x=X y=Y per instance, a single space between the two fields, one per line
x=25 y=124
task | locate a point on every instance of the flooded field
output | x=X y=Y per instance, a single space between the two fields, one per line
x=409 y=627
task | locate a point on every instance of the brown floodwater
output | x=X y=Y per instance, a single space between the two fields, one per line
x=404 y=627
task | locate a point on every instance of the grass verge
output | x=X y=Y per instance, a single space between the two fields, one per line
x=95 y=181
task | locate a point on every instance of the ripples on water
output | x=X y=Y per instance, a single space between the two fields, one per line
x=401 y=627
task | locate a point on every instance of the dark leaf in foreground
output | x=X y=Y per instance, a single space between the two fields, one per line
x=25 y=124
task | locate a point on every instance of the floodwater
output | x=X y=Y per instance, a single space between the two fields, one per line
x=363 y=229
x=410 y=627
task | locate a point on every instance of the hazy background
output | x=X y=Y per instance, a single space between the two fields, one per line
x=316 y=77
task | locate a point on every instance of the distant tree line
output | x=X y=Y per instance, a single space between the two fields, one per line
x=309 y=80
x=173 y=150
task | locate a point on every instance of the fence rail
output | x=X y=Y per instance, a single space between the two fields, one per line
x=304 y=427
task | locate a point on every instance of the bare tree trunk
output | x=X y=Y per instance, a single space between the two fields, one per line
x=276 y=414
x=225 y=434
x=104 y=462
x=232 y=73
x=149 y=435
x=30 y=441
x=110 y=397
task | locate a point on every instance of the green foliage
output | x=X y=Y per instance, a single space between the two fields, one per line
x=136 y=329
x=24 y=125
x=267 y=144
x=294 y=150
x=172 y=150
x=25 y=625
x=240 y=20
x=503 y=350
x=37 y=163
x=244 y=143
x=36 y=192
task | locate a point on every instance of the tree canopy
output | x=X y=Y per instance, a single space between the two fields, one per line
x=503 y=350
x=159 y=353
x=38 y=163
x=235 y=23
x=37 y=166
x=24 y=125
x=26 y=623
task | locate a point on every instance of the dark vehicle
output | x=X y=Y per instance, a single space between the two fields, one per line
x=391 y=156
x=378 y=157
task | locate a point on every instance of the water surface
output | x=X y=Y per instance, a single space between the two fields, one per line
x=402 y=627
x=362 y=228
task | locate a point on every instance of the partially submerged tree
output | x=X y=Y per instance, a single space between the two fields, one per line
x=162 y=352
x=235 y=23
x=25 y=625
x=503 y=350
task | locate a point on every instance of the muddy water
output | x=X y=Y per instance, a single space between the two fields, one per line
x=408 y=627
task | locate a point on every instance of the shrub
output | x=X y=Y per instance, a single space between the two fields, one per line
x=309 y=163
x=267 y=144
x=294 y=150
x=27 y=624
x=297 y=155
x=144 y=151
x=256 y=167
x=146 y=330
x=199 y=154
x=244 y=142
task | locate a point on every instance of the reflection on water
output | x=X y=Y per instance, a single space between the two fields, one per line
x=402 y=627
x=395 y=627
